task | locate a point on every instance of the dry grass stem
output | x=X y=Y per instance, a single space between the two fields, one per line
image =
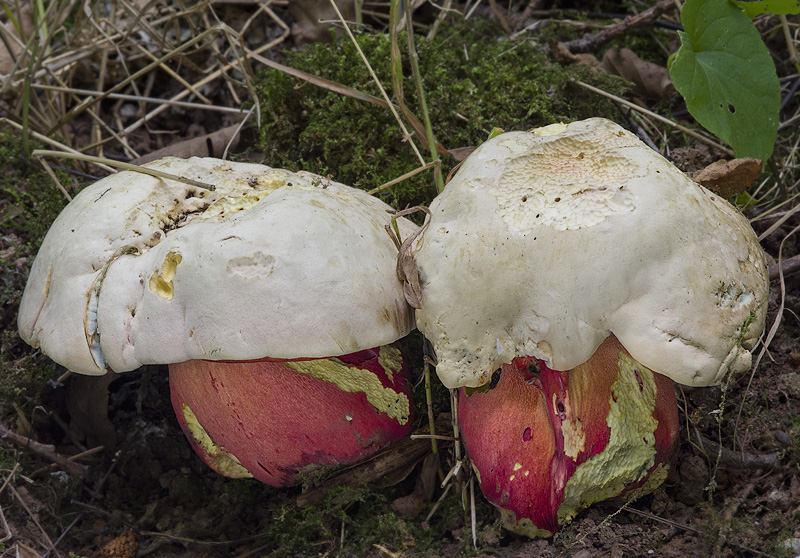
x=124 y=166
x=662 y=119
x=406 y=134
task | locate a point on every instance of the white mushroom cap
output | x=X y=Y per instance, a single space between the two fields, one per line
x=139 y=270
x=547 y=241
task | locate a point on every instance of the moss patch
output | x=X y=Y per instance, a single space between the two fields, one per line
x=474 y=80
x=29 y=202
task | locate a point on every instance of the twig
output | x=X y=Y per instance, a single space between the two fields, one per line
x=8 y=534
x=75 y=111
x=738 y=460
x=34 y=519
x=138 y=98
x=406 y=176
x=94 y=494
x=590 y=43
x=55 y=179
x=45 y=139
x=208 y=79
x=168 y=536
x=124 y=166
x=45 y=450
x=788 y=266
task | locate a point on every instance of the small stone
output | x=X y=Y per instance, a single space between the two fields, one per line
x=793 y=544
x=782 y=438
x=778 y=500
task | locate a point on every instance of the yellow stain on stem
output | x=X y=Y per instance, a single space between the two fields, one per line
x=353 y=380
x=222 y=461
x=631 y=449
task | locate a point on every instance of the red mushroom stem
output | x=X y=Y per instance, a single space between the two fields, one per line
x=546 y=444
x=277 y=421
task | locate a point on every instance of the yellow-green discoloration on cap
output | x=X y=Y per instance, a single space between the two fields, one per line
x=631 y=450
x=161 y=281
x=550 y=130
x=222 y=461
x=353 y=380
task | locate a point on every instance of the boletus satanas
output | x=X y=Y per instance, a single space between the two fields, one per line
x=549 y=246
x=272 y=297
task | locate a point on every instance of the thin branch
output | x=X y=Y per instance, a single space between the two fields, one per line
x=45 y=450
x=592 y=42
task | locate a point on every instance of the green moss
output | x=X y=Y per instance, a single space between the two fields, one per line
x=474 y=80
x=367 y=520
x=29 y=202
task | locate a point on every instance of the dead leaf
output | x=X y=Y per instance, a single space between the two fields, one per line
x=563 y=55
x=650 y=80
x=25 y=551
x=729 y=177
x=124 y=546
x=208 y=145
x=87 y=403
x=313 y=19
x=418 y=500
x=406 y=268
x=461 y=153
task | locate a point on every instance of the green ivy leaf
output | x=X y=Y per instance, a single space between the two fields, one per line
x=727 y=76
x=781 y=7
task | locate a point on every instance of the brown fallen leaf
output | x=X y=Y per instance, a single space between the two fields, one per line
x=461 y=153
x=729 y=177
x=414 y=503
x=650 y=80
x=313 y=19
x=208 y=145
x=563 y=55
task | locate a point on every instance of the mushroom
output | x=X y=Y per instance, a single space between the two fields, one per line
x=548 y=242
x=289 y=270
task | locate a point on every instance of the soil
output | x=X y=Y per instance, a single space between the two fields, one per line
x=734 y=489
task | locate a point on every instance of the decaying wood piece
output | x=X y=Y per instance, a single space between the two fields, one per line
x=737 y=460
x=395 y=462
x=788 y=266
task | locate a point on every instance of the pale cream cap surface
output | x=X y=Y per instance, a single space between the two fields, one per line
x=545 y=242
x=140 y=270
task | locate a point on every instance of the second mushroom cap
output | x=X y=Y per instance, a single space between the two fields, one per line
x=545 y=242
